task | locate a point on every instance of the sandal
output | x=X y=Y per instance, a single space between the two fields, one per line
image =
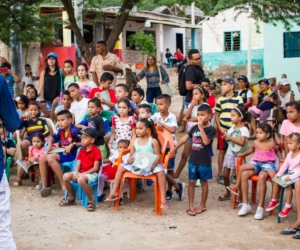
x=297 y=236
x=199 y=210
x=91 y=206
x=191 y=212
x=289 y=231
x=232 y=190
x=17 y=182
x=37 y=187
x=111 y=198
x=68 y=202
x=223 y=198
x=164 y=205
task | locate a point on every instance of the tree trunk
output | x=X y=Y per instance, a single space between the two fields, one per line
x=120 y=22
x=83 y=46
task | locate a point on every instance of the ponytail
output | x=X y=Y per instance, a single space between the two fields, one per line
x=150 y=124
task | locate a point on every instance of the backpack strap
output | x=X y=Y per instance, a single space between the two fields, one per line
x=61 y=79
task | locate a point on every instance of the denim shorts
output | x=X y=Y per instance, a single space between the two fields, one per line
x=263 y=166
x=67 y=157
x=196 y=172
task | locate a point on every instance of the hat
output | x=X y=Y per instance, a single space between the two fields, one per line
x=242 y=77
x=284 y=82
x=89 y=132
x=52 y=54
x=265 y=80
x=228 y=79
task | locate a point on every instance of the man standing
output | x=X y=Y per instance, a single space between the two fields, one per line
x=11 y=120
x=104 y=61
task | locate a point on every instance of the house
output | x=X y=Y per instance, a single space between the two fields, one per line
x=282 y=53
x=225 y=42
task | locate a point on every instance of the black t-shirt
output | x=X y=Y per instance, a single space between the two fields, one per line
x=52 y=85
x=98 y=124
x=168 y=55
x=200 y=153
x=195 y=75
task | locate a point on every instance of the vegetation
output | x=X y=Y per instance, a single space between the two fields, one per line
x=144 y=43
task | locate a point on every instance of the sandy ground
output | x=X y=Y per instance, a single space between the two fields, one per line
x=39 y=223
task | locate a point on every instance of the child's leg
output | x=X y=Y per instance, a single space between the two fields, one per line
x=67 y=177
x=37 y=171
x=24 y=147
x=118 y=177
x=226 y=174
x=191 y=194
x=171 y=180
x=245 y=175
x=43 y=169
x=184 y=156
x=262 y=183
x=289 y=194
x=243 y=168
x=297 y=201
x=220 y=161
x=204 y=185
x=83 y=182
x=161 y=178
x=53 y=160
x=101 y=181
x=171 y=173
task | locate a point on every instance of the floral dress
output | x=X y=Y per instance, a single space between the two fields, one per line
x=123 y=130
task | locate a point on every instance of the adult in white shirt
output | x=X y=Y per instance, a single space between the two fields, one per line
x=79 y=106
x=28 y=78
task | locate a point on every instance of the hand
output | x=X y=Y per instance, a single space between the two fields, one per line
x=226 y=136
x=194 y=103
x=222 y=130
x=130 y=160
x=68 y=149
x=55 y=101
x=162 y=82
x=97 y=95
x=48 y=149
x=102 y=100
x=107 y=67
x=271 y=124
x=268 y=98
x=172 y=151
x=9 y=72
x=240 y=155
x=75 y=176
x=287 y=179
x=83 y=127
x=159 y=125
x=110 y=146
x=200 y=123
x=138 y=79
x=32 y=159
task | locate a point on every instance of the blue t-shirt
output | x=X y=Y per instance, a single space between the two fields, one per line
x=133 y=107
x=10 y=83
x=66 y=139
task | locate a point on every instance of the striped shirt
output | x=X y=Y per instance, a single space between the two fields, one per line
x=225 y=105
x=34 y=126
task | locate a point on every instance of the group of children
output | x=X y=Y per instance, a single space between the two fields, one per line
x=133 y=124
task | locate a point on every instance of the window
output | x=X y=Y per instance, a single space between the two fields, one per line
x=232 y=41
x=291 y=44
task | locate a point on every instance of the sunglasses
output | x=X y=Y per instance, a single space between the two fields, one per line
x=197 y=59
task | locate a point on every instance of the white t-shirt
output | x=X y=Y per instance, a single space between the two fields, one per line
x=58 y=109
x=85 y=87
x=28 y=80
x=79 y=109
x=249 y=93
x=238 y=134
x=170 y=121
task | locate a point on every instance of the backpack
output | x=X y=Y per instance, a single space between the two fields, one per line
x=181 y=81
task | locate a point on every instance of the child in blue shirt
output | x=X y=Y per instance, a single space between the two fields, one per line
x=10 y=77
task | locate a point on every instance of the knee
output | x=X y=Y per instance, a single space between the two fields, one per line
x=192 y=183
x=81 y=180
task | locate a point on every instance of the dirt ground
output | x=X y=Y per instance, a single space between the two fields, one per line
x=39 y=223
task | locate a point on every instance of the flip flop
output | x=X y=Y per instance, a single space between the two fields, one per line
x=223 y=198
x=297 y=236
x=232 y=190
x=111 y=198
x=65 y=203
x=199 y=210
x=191 y=212
x=289 y=231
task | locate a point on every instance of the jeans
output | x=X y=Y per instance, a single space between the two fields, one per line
x=152 y=93
x=48 y=104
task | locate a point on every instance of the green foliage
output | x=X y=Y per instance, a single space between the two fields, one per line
x=144 y=43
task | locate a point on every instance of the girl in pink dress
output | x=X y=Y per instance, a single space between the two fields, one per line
x=262 y=163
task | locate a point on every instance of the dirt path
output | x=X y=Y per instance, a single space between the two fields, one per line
x=39 y=223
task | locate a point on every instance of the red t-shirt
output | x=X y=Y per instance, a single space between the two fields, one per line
x=179 y=56
x=111 y=93
x=88 y=158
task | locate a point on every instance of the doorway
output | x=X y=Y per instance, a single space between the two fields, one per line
x=179 y=42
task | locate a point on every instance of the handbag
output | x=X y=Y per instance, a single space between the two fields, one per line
x=165 y=88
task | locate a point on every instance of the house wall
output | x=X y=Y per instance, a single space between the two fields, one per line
x=216 y=61
x=275 y=63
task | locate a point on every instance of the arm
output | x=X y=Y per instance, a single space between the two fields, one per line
x=109 y=104
x=285 y=142
x=282 y=169
x=46 y=128
x=112 y=136
x=156 y=147
x=190 y=85
x=248 y=101
x=50 y=143
x=101 y=128
x=180 y=143
x=16 y=78
x=292 y=97
x=217 y=120
x=164 y=75
x=95 y=78
x=42 y=85
x=52 y=113
x=239 y=142
x=276 y=138
x=172 y=130
x=141 y=75
x=205 y=139
x=279 y=155
x=248 y=152
x=94 y=169
x=255 y=100
x=44 y=109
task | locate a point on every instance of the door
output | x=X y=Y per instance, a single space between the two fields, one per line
x=179 y=42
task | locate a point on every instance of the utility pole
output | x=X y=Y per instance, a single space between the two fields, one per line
x=249 y=71
x=193 y=30
x=78 y=16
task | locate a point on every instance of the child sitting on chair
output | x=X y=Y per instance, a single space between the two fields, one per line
x=86 y=171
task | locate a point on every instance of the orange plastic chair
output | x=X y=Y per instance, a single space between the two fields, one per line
x=254 y=179
x=165 y=138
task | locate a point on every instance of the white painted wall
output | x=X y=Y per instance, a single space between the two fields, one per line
x=214 y=28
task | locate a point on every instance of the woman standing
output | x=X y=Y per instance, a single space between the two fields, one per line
x=285 y=95
x=151 y=71
x=50 y=81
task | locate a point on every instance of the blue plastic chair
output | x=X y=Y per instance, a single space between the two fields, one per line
x=9 y=161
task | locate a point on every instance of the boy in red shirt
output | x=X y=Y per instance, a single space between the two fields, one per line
x=106 y=95
x=86 y=171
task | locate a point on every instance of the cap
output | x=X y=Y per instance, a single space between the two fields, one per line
x=228 y=79
x=284 y=82
x=242 y=77
x=89 y=132
x=52 y=54
x=265 y=80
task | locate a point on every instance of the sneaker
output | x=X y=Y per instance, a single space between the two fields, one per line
x=149 y=183
x=244 y=209
x=272 y=205
x=285 y=211
x=198 y=183
x=259 y=215
x=101 y=197
x=139 y=183
x=220 y=179
x=177 y=180
x=169 y=195
x=180 y=190
x=233 y=179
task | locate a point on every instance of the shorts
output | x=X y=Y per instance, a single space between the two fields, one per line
x=104 y=152
x=263 y=166
x=230 y=160
x=67 y=157
x=91 y=177
x=171 y=164
x=222 y=144
x=183 y=101
x=201 y=172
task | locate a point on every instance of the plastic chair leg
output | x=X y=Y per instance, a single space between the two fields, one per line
x=280 y=204
x=158 y=209
x=253 y=195
x=234 y=198
x=119 y=194
x=95 y=194
x=132 y=189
